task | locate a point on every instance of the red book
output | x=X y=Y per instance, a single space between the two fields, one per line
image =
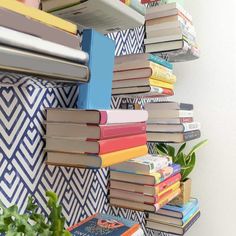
x=96 y=132
x=72 y=145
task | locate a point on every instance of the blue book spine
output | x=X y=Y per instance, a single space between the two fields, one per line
x=190 y=214
x=160 y=61
x=96 y=94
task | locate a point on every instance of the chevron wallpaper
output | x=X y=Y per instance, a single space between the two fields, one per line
x=23 y=100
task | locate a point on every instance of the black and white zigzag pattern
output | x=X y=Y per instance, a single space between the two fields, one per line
x=23 y=100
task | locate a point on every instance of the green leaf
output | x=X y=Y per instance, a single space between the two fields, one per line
x=171 y=151
x=186 y=170
x=196 y=147
x=182 y=147
x=160 y=150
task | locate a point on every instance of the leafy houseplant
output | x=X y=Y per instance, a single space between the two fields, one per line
x=31 y=223
x=186 y=161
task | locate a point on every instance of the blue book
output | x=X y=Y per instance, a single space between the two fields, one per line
x=101 y=224
x=189 y=215
x=96 y=94
x=179 y=211
x=160 y=61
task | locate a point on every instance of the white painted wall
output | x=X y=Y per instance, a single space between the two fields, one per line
x=210 y=84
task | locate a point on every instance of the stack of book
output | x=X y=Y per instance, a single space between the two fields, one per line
x=175 y=219
x=143 y=74
x=103 y=15
x=102 y=224
x=169 y=29
x=94 y=138
x=171 y=122
x=145 y=184
x=35 y=42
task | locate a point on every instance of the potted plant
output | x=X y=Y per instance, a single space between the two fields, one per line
x=186 y=161
x=32 y=223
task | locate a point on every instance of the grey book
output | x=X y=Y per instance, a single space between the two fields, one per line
x=17 y=60
x=26 y=25
x=28 y=42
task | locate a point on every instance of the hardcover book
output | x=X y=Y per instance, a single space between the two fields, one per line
x=144 y=165
x=101 y=224
x=151 y=179
x=101 y=117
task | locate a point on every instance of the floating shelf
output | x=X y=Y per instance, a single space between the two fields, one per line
x=103 y=15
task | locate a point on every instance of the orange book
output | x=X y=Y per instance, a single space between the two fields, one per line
x=94 y=161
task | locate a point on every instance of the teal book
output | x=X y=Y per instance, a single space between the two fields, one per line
x=189 y=215
x=160 y=61
x=101 y=224
x=96 y=94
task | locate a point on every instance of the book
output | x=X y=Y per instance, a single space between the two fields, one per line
x=155 y=113
x=172 y=228
x=174 y=128
x=150 y=179
x=169 y=106
x=167 y=10
x=143 y=91
x=96 y=132
x=138 y=82
x=28 y=42
x=38 y=15
x=94 y=161
x=142 y=57
x=151 y=190
x=101 y=224
x=102 y=15
x=136 y=5
x=21 y=23
x=142 y=198
x=77 y=145
x=166 y=46
x=144 y=69
x=142 y=206
x=101 y=71
x=144 y=165
x=172 y=220
x=168 y=121
x=101 y=117
x=17 y=60
x=178 y=211
x=173 y=137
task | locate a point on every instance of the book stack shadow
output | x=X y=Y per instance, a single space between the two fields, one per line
x=94 y=138
x=145 y=184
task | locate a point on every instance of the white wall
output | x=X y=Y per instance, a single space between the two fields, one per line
x=210 y=84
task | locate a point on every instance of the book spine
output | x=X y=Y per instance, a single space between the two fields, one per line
x=186 y=119
x=190 y=214
x=192 y=221
x=192 y=135
x=191 y=126
x=160 y=61
x=115 y=131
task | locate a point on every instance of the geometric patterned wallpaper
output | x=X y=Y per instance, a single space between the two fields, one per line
x=23 y=100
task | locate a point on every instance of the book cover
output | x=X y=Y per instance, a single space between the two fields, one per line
x=39 y=15
x=101 y=224
x=15 y=21
x=101 y=71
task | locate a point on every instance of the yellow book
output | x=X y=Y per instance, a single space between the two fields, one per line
x=170 y=189
x=161 y=73
x=39 y=15
x=161 y=84
x=123 y=155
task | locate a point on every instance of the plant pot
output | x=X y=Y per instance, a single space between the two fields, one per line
x=185 y=194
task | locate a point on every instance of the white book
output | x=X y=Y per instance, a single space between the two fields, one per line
x=31 y=43
x=103 y=15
